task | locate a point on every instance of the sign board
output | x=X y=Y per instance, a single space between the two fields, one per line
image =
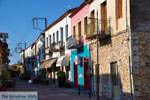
x=18 y=96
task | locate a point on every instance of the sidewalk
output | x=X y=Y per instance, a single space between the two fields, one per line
x=53 y=92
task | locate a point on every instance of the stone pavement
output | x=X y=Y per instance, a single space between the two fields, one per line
x=52 y=92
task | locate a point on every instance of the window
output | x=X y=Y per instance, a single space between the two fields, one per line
x=57 y=33
x=85 y=25
x=53 y=37
x=66 y=32
x=74 y=31
x=79 y=29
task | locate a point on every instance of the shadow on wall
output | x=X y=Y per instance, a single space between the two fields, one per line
x=110 y=85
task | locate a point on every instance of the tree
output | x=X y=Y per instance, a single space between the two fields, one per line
x=5 y=59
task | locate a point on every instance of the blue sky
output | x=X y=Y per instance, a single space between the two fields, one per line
x=16 y=19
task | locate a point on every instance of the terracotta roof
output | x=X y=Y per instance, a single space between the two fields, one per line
x=79 y=8
x=60 y=18
x=13 y=65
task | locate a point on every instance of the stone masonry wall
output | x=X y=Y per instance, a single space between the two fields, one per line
x=115 y=49
x=141 y=65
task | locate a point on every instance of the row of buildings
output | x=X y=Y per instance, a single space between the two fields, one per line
x=102 y=45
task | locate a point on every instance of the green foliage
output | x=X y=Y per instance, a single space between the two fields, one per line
x=4 y=78
x=43 y=72
x=47 y=75
x=5 y=55
x=13 y=73
x=60 y=73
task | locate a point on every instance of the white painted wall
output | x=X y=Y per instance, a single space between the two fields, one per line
x=39 y=44
x=21 y=57
x=28 y=52
x=54 y=29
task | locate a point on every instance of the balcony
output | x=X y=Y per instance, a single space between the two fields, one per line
x=73 y=43
x=57 y=47
x=103 y=30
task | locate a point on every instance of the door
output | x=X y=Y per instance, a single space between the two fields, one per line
x=50 y=42
x=75 y=69
x=114 y=80
x=86 y=76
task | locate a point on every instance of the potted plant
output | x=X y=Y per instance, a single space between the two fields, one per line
x=61 y=78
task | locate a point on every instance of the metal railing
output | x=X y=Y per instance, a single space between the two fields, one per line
x=73 y=43
x=103 y=28
x=57 y=47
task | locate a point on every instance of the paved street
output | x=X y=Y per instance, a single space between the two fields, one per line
x=52 y=92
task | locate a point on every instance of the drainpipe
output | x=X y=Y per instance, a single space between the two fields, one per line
x=130 y=52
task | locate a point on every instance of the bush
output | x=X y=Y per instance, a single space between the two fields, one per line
x=60 y=73
x=43 y=73
x=5 y=77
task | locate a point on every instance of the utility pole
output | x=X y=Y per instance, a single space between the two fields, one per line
x=35 y=23
x=97 y=51
x=97 y=66
x=36 y=27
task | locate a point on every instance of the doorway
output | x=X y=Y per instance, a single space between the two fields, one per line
x=86 y=76
x=114 y=81
x=75 y=69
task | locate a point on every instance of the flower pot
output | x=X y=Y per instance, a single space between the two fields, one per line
x=61 y=81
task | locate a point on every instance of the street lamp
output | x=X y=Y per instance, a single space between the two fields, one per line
x=97 y=65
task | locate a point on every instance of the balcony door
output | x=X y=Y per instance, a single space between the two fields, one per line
x=92 y=22
x=62 y=36
x=104 y=16
x=50 y=41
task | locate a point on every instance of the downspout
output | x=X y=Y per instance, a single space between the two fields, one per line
x=130 y=52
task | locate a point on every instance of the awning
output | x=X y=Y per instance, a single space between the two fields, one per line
x=44 y=63
x=63 y=61
x=50 y=62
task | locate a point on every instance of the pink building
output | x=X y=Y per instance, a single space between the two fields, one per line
x=80 y=53
x=79 y=21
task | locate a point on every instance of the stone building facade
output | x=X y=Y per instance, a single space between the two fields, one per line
x=124 y=55
x=140 y=45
